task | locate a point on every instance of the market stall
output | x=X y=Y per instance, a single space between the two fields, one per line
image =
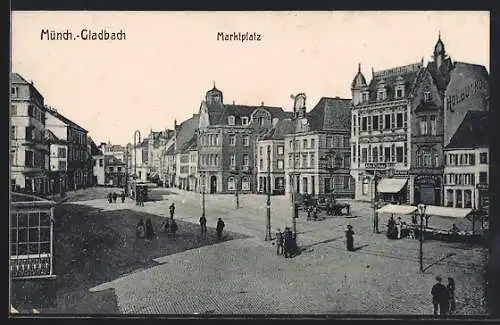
x=398 y=213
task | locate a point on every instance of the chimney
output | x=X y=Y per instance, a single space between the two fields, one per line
x=234 y=103
x=261 y=103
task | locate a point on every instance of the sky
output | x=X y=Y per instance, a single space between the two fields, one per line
x=168 y=61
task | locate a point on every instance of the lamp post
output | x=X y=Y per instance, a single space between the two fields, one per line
x=203 y=195
x=236 y=184
x=268 y=210
x=421 y=210
x=126 y=171
x=136 y=133
x=375 y=202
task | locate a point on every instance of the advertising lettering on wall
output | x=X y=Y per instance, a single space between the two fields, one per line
x=464 y=93
x=427 y=180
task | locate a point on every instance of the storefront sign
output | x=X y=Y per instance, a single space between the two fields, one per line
x=401 y=173
x=482 y=186
x=463 y=93
x=427 y=180
x=380 y=165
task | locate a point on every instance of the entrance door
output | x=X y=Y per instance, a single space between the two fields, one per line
x=427 y=195
x=213 y=184
x=327 y=185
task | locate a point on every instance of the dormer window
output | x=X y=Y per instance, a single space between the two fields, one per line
x=364 y=98
x=427 y=96
x=381 y=94
x=244 y=120
x=400 y=92
x=230 y=120
x=261 y=121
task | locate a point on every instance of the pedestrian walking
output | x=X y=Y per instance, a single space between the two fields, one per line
x=173 y=227
x=123 y=197
x=315 y=212
x=288 y=242
x=440 y=298
x=399 y=225
x=150 y=233
x=110 y=197
x=203 y=225
x=115 y=196
x=140 y=229
x=349 y=238
x=172 y=210
x=279 y=242
x=451 y=295
x=219 y=228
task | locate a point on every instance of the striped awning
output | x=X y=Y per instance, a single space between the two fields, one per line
x=447 y=212
x=391 y=185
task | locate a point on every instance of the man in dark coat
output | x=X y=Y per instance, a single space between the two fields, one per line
x=110 y=198
x=115 y=196
x=440 y=297
x=219 y=228
x=349 y=238
x=279 y=242
x=172 y=210
x=203 y=225
x=123 y=197
x=150 y=233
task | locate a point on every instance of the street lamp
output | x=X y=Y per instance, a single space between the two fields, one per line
x=204 y=176
x=268 y=214
x=375 y=202
x=421 y=209
x=136 y=133
x=126 y=171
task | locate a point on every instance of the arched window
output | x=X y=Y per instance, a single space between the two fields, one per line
x=231 y=184
x=245 y=184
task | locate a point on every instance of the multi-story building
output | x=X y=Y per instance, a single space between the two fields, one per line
x=317 y=151
x=227 y=141
x=140 y=162
x=402 y=121
x=115 y=171
x=115 y=150
x=98 y=170
x=170 y=167
x=381 y=132
x=29 y=153
x=271 y=148
x=79 y=170
x=157 y=142
x=467 y=163
x=184 y=146
x=58 y=162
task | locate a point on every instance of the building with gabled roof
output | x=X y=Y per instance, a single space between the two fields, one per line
x=227 y=142
x=466 y=168
x=317 y=149
x=29 y=152
x=271 y=158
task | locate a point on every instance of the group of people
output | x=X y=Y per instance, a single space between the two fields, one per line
x=394 y=228
x=312 y=212
x=145 y=230
x=443 y=297
x=112 y=197
x=140 y=196
x=286 y=243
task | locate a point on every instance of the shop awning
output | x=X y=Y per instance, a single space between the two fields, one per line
x=446 y=212
x=397 y=209
x=391 y=185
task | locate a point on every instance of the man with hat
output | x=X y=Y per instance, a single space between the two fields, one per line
x=279 y=242
x=440 y=297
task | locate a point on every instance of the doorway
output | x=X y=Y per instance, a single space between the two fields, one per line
x=213 y=184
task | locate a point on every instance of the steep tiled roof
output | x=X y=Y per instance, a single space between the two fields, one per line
x=278 y=132
x=94 y=150
x=330 y=114
x=441 y=76
x=407 y=77
x=50 y=137
x=64 y=119
x=185 y=131
x=473 y=132
x=17 y=78
x=239 y=111
x=192 y=144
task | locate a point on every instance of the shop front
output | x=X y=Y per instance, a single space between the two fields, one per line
x=393 y=190
x=427 y=189
x=31 y=237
